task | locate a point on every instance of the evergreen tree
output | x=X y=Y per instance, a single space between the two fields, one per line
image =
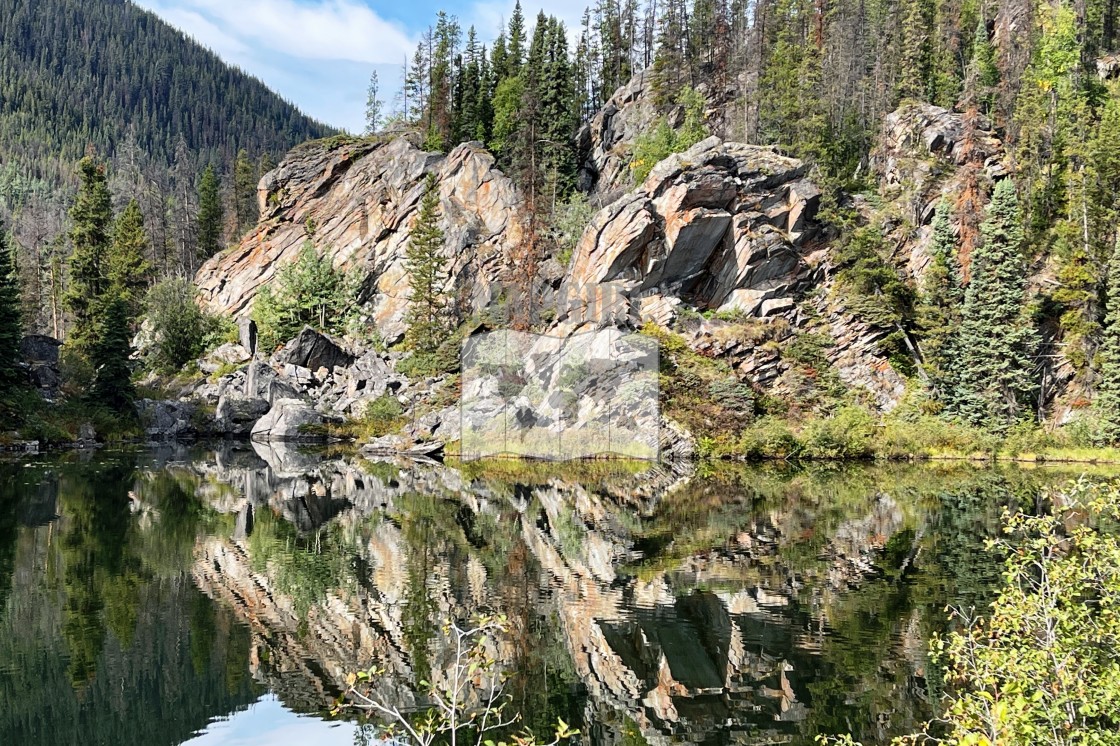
x=11 y=324
x=515 y=46
x=914 y=72
x=940 y=303
x=1108 y=390
x=426 y=266
x=110 y=354
x=127 y=269
x=245 y=192
x=997 y=341
x=211 y=215
x=374 y=106
x=92 y=216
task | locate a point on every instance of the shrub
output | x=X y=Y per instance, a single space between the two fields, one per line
x=568 y=222
x=848 y=434
x=181 y=330
x=662 y=141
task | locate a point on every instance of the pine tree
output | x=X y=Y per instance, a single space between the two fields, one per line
x=11 y=324
x=211 y=215
x=374 y=106
x=127 y=269
x=245 y=193
x=110 y=354
x=92 y=216
x=425 y=263
x=1107 y=404
x=997 y=341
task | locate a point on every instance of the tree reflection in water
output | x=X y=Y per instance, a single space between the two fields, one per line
x=141 y=597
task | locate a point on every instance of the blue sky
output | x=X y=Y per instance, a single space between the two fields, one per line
x=320 y=53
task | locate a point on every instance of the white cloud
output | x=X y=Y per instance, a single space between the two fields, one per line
x=490 y=16
x=314 y=29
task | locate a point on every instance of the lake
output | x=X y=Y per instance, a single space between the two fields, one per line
x=222 y=596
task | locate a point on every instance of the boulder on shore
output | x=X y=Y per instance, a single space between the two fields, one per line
x=289 y=420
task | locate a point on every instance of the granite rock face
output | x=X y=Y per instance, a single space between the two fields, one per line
x=721 y=226
x=356 y=202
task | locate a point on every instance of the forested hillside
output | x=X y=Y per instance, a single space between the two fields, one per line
x=108 y=78
x=76 y=73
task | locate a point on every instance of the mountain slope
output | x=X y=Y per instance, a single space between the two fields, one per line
x=75 y=73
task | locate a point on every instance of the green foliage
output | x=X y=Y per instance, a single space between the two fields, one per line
x=181 y=331
x=90 y=234
x=211 y=214
x=1107 y=404
x=938 y=314
x=662 y=140
x=848 y=434
x=426 y=266
x=127 y=269
x=110 y=354
x=997 y=340
x=307 y=292
x=568 y=222
x=1041 y=667
x=382 y=416
x=11 y=324
x=244 y=192
x=871 y=286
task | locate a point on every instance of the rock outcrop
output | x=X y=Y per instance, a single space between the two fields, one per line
x=722 y=226
x=289 y=420
x=356 y=201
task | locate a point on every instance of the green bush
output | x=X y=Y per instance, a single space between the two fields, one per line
x=1039 y=666
x=662 y=141
x=181 y=330
x=848 y=434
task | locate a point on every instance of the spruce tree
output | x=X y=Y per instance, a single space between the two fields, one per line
x=1108 y=391
x=211 y=215
x=92 y=216
x=997 y=341
x=940 y=304
x=11 y=322
x=110 y=354
x=127 y=268
x=373 y=105
x=244 y=192
x=425 y=263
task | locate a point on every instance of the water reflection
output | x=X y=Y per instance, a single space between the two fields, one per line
x=212 y=595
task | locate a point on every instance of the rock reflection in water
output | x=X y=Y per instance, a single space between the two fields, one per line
x=752 y=605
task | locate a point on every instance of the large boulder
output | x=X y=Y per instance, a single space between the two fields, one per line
x=223 y=357
x=357 y=201
x=168 y=420
x=236 y=415
x=289 y=420
x=39 y=354
x=314 y=350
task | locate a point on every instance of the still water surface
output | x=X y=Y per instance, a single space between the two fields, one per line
x=220 y=597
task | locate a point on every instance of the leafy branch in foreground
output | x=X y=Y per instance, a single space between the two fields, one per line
x=468 y=706
x=1044 y=666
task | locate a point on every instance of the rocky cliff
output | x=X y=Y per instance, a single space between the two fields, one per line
x=724 y=230
x=356 y=201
